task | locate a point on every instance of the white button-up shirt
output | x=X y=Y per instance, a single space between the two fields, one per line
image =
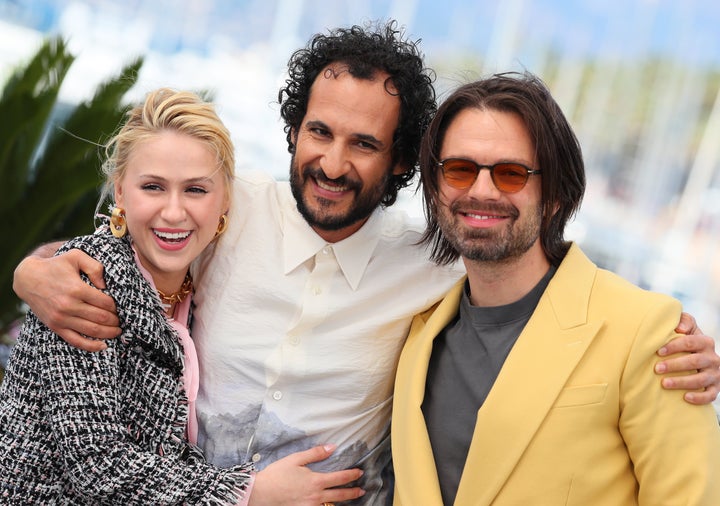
x=298 y=339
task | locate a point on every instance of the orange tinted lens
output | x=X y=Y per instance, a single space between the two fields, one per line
x=459 y=173
x=509 y=177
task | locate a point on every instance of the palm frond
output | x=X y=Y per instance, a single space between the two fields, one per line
x=52 y=158
x=26 y=103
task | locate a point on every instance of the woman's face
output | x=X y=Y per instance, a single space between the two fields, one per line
x=173 y=194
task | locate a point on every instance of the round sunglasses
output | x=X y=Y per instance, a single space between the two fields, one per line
x=508 y=177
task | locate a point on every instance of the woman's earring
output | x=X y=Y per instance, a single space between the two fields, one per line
x=118 y=224
x=222 y=225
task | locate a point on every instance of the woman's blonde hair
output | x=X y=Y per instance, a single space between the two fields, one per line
x=166 y=109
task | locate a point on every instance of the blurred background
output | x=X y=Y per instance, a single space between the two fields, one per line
x=638 y=79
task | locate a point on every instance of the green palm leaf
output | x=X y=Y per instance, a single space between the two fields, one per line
x=25 y=106
x=50 y=159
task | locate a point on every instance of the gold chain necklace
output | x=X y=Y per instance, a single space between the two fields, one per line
x=179 y=296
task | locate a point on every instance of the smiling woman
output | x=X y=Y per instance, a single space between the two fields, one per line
x=169 y=168
x=177 y=196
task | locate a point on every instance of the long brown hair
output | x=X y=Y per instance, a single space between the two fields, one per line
x=557 y=152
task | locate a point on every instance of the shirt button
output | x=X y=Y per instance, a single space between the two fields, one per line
x=256 y=457
x=277 y=395
x=326 y=250
x=317 y=290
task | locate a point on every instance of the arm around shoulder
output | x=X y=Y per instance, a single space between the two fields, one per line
x=54 y=290
x=23 y=277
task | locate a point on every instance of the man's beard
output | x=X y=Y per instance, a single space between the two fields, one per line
x=322 y=217
x=490 y=245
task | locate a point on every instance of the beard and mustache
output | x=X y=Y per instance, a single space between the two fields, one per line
x=328 y=214
x=489 y=244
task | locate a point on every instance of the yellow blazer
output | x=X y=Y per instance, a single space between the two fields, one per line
x=577 y=416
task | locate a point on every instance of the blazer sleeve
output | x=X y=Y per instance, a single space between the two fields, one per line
x=674 y=446
x=101 y=459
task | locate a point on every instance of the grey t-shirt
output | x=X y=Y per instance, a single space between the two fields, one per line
x=467 y=357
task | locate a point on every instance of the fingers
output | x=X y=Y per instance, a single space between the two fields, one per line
x=288 y=481
x=702 y=363
x=334 y=485
x=689 y=363
x=314 y=454
x=342 y=494
x=69 y=306
x=80 y=341
x=334 y=479
x=703 y=386
x=80 y=292
x=79 y=261
x=707 y=378
x=92 y=329
x=690 y=343
x=94 y=314
x=687 y=325
x=326 y=480
x=76 y=309
x=339 y=478
x=91 y=267
x=88 y=303
x=705 y=397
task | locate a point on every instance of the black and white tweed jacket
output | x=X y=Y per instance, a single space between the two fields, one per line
x=105 y=428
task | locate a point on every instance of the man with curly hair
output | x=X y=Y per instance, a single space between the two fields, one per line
x=299 y=338
x=304 y=307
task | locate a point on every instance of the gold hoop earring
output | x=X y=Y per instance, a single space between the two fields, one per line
x=222 y=225
x=118 y=223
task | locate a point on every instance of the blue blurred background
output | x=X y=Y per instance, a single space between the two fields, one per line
x=638 y=79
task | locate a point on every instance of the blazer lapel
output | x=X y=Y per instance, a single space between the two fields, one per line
x=535 y=372
x=413 y=455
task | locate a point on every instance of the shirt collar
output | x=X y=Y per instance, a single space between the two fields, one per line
x=301 y=243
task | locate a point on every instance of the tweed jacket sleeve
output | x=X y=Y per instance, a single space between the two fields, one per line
x=116 y=419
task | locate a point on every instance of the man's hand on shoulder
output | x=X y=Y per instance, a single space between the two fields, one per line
x=699 y=360
x=71 y=308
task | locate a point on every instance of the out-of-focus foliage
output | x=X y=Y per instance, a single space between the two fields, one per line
x=50 y=159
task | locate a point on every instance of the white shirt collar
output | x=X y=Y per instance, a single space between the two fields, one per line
x=301 y=243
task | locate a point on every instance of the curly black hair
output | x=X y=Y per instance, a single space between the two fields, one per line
x=366 y=51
